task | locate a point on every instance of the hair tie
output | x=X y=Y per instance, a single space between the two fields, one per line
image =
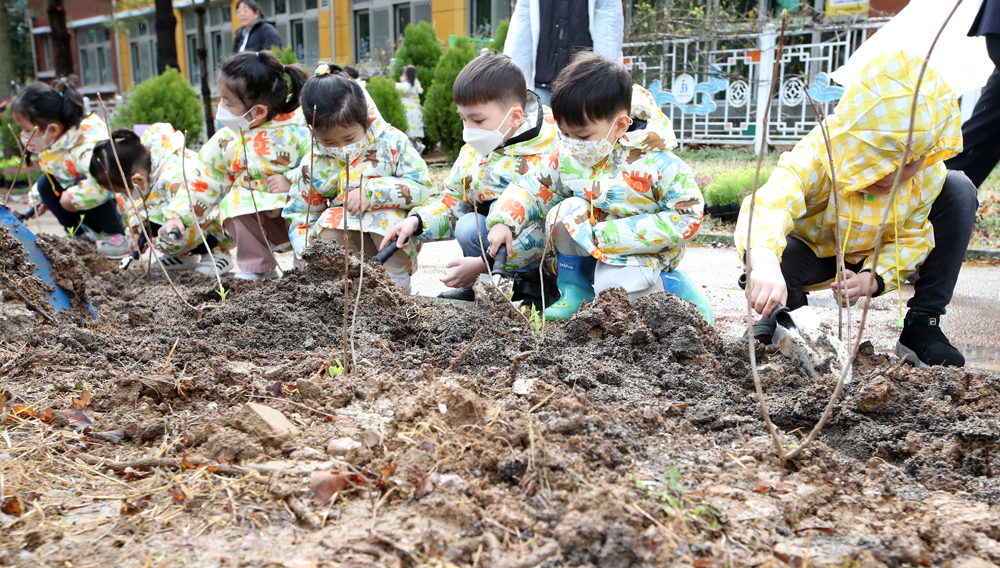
x=258 y=56
x=322 y=69
x=60 y=94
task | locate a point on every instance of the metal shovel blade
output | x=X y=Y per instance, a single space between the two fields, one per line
x=803 y=336
x=43 y=268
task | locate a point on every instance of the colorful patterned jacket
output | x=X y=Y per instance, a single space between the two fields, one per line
x=391 y=171
x=166 y=182
x=479 y=179
x=638 y=207
x=68 y=162
x=236 y=168
x=867 y=132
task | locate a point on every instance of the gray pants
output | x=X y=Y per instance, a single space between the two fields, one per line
x=638 y=281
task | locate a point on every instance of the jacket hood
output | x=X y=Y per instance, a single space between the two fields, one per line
x=868 y=131
x=536 y=133
x=91 y=131
x=163 y=142
x=658 y=133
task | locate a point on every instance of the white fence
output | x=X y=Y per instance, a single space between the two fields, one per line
x=714 y=89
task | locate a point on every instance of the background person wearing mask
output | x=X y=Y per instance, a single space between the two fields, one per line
x=257 y=33
x=544 y=35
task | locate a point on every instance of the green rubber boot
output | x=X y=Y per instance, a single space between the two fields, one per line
x=575 y=286
x=678 y=284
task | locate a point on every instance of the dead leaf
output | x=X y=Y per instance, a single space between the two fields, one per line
x=11 y=506
x=82 y=402
x=427 y=485
x=111 y=436
x=46 y=415
x=181 y=495
x=130 y=474
x=771 y=485
x=135 y=507
x=707 y=563
x=793 y=561
x=388 y=470
x=324 y=485
x=185 y=464
x=828 y=531
x=275 y=390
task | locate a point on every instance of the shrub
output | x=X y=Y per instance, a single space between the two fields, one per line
x=732 y=187
x=421 y=49
x=167 y=98
x=500 y=37
x=441 y=120
x=388 y=101
x=285 y=56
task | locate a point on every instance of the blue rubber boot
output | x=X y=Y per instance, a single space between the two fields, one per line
x=575 y=281
x=678 y=284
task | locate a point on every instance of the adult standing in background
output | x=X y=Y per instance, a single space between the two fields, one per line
x=257 y=33
x=981 y=133
x=544 y=35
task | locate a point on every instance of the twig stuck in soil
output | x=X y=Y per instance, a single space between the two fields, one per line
x=197 y=226
x=142 y=226
x=361 y=285
x=256 y=211
x=753 y=198
x=878 y=247
x=541 y=271
x=347 y=260
x=279 y=490
x=20 y=162
x=457 y=362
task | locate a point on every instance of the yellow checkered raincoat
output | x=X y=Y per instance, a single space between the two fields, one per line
x=868 y=131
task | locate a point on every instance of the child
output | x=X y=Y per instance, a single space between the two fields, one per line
x=792 y=246
x=387 y=175
x=507 y=131
x=65 y=141
x=410 y=90
x=155 y=176
x=264 y=137
x=620 y=206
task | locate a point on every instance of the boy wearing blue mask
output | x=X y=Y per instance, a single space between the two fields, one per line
x=619 y=204
x=507 y=131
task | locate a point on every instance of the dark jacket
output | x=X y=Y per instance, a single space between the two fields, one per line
x=988 y=20
x=263 y=36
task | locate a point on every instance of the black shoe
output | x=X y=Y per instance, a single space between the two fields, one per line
x=923 y=343
x=464 y=294
x=763 y=330
x=528 y=290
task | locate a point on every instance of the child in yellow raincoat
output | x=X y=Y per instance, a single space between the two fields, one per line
x=792 y=246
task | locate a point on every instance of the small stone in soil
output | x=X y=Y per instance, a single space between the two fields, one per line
x=266 y=423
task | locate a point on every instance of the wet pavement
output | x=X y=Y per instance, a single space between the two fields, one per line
x=972 y=323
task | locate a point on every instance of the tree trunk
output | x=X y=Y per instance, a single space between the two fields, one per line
x=62 y=49
x=6 y=63
x=206 y=90
x=166 y=40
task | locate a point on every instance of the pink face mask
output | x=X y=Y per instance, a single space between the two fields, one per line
x=37 y=144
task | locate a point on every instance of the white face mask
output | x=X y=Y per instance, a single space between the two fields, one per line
x=231 y=121
x=589 y=153
x=38 y=144
x=485 y=141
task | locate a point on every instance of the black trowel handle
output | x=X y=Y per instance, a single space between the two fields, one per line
x=22 y=217
x=781 y=314
x=384 y=254
x=500 y=260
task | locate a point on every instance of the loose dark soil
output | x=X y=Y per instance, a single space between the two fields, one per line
x=628 y=436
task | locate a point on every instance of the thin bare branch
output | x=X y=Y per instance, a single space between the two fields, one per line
x=197 y=225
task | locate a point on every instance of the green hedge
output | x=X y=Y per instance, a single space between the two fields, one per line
x=166 y=98
x=441 y=120
x=388 y=101
x=732 y=187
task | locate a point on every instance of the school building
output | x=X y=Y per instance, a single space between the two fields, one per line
x=114 y=50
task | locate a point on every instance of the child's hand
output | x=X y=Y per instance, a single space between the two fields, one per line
x=169 y=227
x=400 y=232
x=465 y=273
x=356 y=202
x=767 y=285
x=278 y=183
x=856 y=286
x=66 y=202
x=500 y=235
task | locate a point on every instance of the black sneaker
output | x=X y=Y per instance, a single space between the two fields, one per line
x=923 y=343
x=464 y=294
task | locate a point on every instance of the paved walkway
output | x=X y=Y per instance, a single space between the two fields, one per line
x=972 y=322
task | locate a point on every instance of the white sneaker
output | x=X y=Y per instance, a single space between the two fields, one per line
x=258 y=276
x=223 y=262
x=182 y=262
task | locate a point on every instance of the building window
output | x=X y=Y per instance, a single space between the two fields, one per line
x=227 y=16
x=143 y=29
x=279 y=7
x=219 y=47
x=136 y=64
x=310 y=4
x=102 y=66
x=194 y=70
x=363 y=35
x=85 y=68
x=482 y=18
x=298 y=40
x=47 y=51
x=403 y=18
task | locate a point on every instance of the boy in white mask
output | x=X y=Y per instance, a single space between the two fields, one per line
x=507 y=132
x=620 y=204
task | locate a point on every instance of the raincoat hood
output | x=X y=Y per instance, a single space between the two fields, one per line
x=537 y=131
x=657 y=133
x=91 y=131
x=164 y=143
x=868 y=131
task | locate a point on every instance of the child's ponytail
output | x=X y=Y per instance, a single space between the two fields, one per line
x=259 y=78
x=43 y=104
